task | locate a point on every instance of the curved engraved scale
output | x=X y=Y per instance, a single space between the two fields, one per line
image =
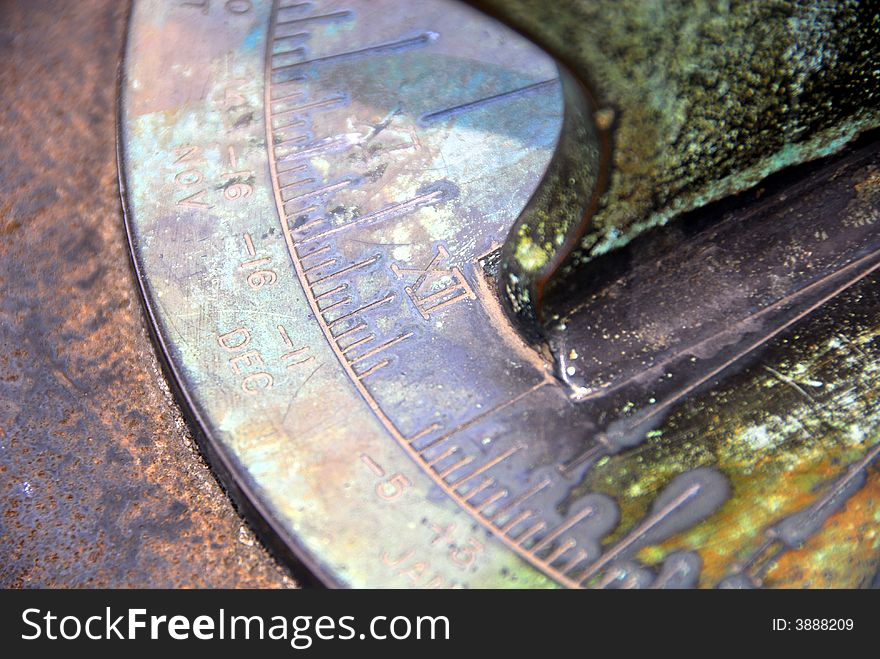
x=350 y=327
x=307 y=209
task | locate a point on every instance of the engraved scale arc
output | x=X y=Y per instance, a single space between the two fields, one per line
x=355 y=378
x=258 y=512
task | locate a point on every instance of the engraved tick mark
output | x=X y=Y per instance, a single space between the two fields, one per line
x=322 y=190
x=331 y=16
x=423 y=432
x=279 y=53
x=422 y=39
x=559 y=552
x=442 y=456
x=520 y=499
x=292 y=123
x=357 y=328
x=315 y=252
x=442 y=115
x=529 y=533
x=366 y=307
x=495 y=497
x=373 y=369
x=455 y=467
x=486 y=466
x=332 y=291
x=286 y=94
x=296 y=36
x=338 y=303
x=547 y=540
x=309 y=225
x=388 y=344
x=484 y=485
x=355 y=344
x=323 y=264
x=347 y=269
x=390 y=212
x=334 y=101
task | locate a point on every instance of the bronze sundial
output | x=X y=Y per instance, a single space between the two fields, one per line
x=500 y=296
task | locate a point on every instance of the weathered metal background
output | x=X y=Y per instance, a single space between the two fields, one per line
x=101 y=484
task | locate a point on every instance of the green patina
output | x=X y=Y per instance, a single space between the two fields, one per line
x=708 y=96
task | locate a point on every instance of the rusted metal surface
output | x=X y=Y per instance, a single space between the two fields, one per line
x=100 y=481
